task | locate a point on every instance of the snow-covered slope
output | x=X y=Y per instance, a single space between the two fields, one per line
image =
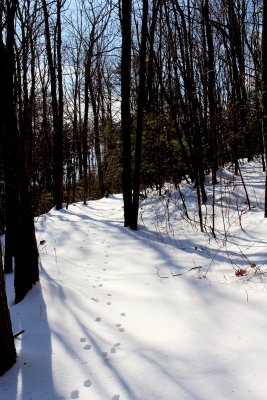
x=147 y=315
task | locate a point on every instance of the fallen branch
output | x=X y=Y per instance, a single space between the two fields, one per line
x=182 y=273
x=178 y=274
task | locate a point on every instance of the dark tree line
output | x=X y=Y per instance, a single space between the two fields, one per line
x=104 y=96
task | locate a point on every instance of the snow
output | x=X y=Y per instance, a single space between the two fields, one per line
x=157 y=313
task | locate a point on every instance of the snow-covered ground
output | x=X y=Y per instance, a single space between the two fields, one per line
x=154 y=314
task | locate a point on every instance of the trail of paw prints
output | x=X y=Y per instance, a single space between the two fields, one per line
x=120 y=328
x=112 y=350
x=87 y=383
x=75 y=393
x=108 y=303
x=86 y=346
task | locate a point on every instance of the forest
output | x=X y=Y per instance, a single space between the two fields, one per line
x=102 y=96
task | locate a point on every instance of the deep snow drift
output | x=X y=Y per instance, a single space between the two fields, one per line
x=147 y=315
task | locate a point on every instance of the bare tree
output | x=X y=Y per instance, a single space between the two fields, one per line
x=126 y=126
x=264 y=88
x=55 y=69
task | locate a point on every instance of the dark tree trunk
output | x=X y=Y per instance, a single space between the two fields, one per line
x=57 y=105
x=85 y=130
x=58 y=135
x=140 y=111
x=9 y=135
x=95 y=107
x=126 y=13
x=7 y=347
x=20 y=225
x=210 y=73
x=264 y=89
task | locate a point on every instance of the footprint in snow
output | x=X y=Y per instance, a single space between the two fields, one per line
x=87 y=347
x=82 y=339
x=123 y=314
x=87 y=383
x=120 y=327
x=94 y=299
x=116 y=397
x=74 y=394
x=98 y=319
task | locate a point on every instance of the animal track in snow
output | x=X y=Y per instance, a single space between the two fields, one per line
x=87 y=383
x=123 y=314
x=98 y=319
x=120 y=327
x=116 y=397
x=108 y=303
x=82 y=339
x=74 y=394
x=113 y=350
x=95 y=299
x=87 y=347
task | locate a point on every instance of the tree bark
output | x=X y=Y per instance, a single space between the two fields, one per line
x=126 y=24
x=140 y=113
x=57 y=105
x=264 y=89
x=7 y=347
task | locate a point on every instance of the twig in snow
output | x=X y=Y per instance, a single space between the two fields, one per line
x=178 y=274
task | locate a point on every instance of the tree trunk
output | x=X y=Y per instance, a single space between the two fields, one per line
x=140 y=112
x=264 y=89
x=20 y=226
x=7 y=346
x=57 y=105
x=125 y=109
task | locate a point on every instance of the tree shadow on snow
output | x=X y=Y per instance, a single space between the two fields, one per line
x=31 y=377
